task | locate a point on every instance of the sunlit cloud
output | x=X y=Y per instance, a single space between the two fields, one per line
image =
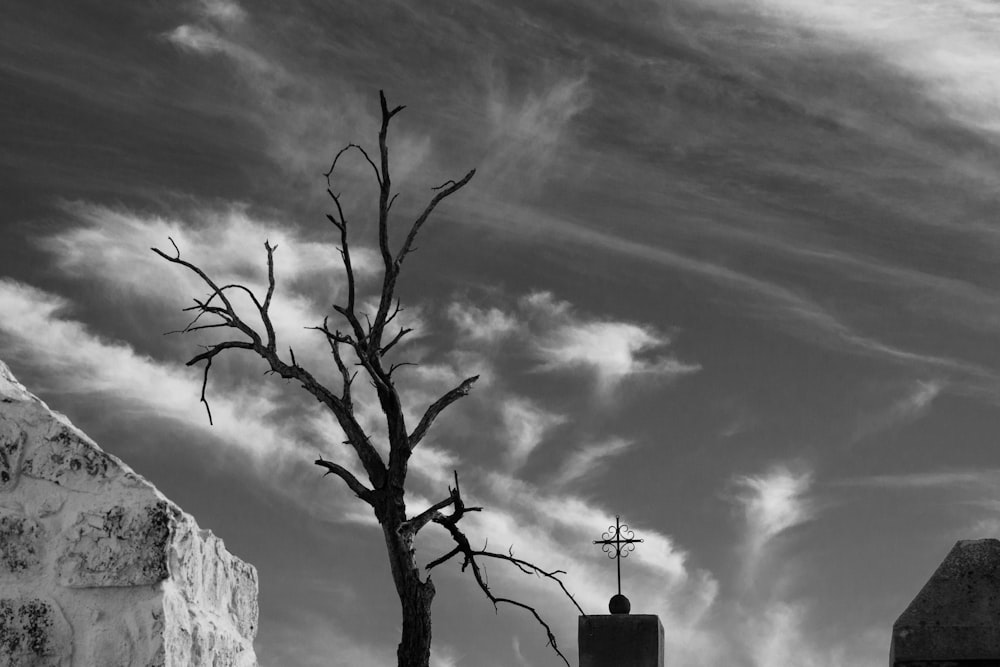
x=561 y=339
x=547 y=528
x=37 y=331
x=112 y=246
x=487 y=325
x=225 y=11
x=68 y=358
x=206 y=41
x=612 y=350
x=944 y=45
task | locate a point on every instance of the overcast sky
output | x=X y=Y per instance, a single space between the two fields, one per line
x=727 y=268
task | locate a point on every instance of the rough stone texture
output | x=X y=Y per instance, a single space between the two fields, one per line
x=70 y=459
x=955 y=618
x=33 y=632
x=117 y=546
x=11 y=447
x=97 y=567
x=21 y=544
x=620 y=640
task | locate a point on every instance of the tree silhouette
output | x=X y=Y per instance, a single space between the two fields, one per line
x=364 y=345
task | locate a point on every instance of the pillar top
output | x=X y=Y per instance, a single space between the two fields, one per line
x=953 y=617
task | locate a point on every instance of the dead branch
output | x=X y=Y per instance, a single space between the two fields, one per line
x=464 y=548
x=343 y=150
x=437 y=407
x=359 y=489
x=398 y=337
x=422 y=218
x=372 y=461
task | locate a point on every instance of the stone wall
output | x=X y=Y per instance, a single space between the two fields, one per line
x=952 y=621
x=97 y=567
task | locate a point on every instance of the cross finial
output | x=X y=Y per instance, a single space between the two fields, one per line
x=618 y=542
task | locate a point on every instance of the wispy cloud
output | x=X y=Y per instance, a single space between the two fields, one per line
x=481 y=325
x=313 y=640
x=778 y=633
x=946 y=46
x=590 y=460
x=540 y=524
x=561 y=339
x=205 y=40
x=67 y=357
x=908 y=408
x=526 y=426
x=227 y=12
x=35 y=329
x=112 y=246
x=944 y=479
x=772 y=503
x=529 y=130
x=786 y=307
x=611 y=350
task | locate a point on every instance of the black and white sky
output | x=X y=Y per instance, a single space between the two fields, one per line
x=727 y=268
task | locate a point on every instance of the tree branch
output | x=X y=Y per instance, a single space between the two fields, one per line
x=372 y=461
x=398 y=337
x=419 y=222
x=413 y=526
x=335 y=339
x=463 y=547
x=359 y=489
x=343 y=150
x=438 y=407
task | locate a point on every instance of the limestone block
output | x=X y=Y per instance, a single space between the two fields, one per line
x=119 y=546
x=21 y=544
x=33 y=632
x=211 y=578
x=12 y=441
x=97 y=567
x=112 y=645
x=70 y=460
x=129 y=634
x=198 y=639
x=10 y=389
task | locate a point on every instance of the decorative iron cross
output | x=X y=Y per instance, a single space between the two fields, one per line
x=618 y=544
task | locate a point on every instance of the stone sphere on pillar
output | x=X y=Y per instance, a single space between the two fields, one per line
x=619 y=604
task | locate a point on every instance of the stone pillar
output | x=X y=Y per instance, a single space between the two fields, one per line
x=97 y=567
x=620 y=639
x=954 y=621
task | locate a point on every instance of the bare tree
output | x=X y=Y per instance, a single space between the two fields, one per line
x=365 y=345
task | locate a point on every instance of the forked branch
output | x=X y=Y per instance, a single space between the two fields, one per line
x=464 y=548
x=266 y=348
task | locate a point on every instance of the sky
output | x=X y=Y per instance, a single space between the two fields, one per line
x=726 y=268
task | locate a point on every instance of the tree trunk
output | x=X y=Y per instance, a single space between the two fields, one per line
x=415 y=596
x=415 y=644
